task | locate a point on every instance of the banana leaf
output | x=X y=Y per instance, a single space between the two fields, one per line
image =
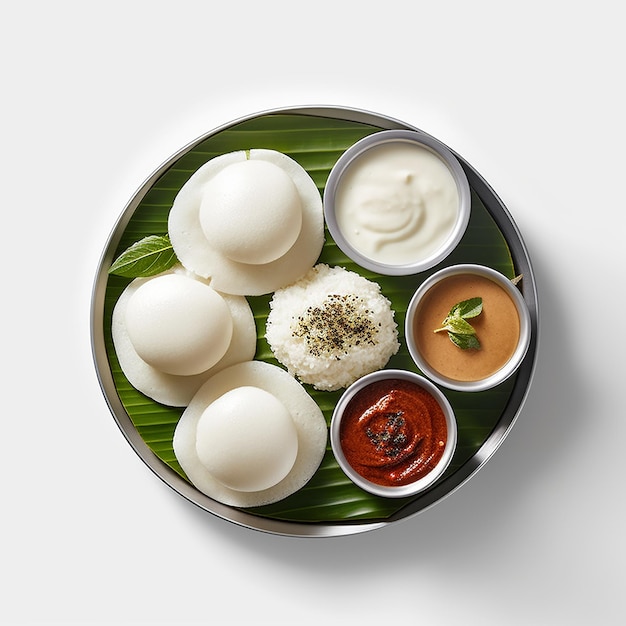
x=316 y=142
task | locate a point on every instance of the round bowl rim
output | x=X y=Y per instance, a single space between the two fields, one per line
x=511 y=365
x=394 y=136
x=422 y=483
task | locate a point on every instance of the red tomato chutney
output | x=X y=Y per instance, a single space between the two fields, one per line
x=393 y=432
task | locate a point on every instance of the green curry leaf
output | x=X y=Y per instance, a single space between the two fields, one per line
x=455 y=324
x=465 y=342
x=149 y=256
x=468 y=308
x=460 y=331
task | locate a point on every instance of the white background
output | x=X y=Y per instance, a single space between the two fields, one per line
x=95 y=96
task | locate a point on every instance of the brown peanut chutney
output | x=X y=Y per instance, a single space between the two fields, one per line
x=497 y=328
x=393 y=432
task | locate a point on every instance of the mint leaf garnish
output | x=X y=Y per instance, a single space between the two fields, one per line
x=468 y=308
x=460 y=331
x=458 y=325
x=149 y=256
x=465 y=342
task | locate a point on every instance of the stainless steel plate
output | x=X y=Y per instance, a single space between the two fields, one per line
x=521 y=261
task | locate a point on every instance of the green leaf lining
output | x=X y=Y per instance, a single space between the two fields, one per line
x=316 y=143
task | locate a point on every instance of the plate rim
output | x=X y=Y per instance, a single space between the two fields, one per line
x=446 y=487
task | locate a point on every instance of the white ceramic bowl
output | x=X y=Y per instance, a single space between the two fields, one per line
x=509 y=368
x=352 y=155
x=421 y=483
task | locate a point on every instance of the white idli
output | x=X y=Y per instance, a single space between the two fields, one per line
x=309 y=421
x=169 y=339
x=250 y=228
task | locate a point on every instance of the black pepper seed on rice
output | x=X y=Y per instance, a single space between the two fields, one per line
x=335 y=326
x=331 y=327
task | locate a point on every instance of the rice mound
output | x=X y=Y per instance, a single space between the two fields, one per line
x=331 y=327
